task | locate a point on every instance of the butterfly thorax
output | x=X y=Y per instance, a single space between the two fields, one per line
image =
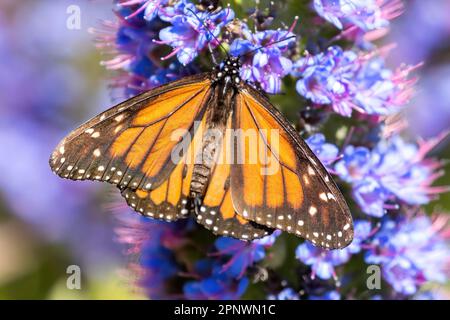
x=226 y=82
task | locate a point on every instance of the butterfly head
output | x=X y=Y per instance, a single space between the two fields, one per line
x=229 y=70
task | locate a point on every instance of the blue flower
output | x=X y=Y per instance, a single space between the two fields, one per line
x=410 y=252
x=190 y=33
x=364 y=14
x=348 y=81
x=242 y=254
x=326 y=152
x=393 y=170
x=330 y=295
x=267 y=66
x=323 y=262
x=213 y=283
x=285 y=294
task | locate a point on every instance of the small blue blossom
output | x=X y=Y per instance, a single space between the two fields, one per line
x=330 y=295
x=190 y=33
x=350 y=81
x=392 y=170
x=267 y=66
x=243 y=254
x=411 y=252
x=366 y=15
x=323 y=262
x=213 y=283
x=326 y=152
x=285 y=294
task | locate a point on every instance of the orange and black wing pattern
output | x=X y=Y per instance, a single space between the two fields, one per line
x=170 y=200
x=131 y=144
x=216 y=211
x=278 y=181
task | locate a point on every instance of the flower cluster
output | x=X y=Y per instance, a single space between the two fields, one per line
x=392 y=171
x=385 y=177
x=349 y=80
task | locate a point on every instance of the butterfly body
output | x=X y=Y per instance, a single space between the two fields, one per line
x=233 y=185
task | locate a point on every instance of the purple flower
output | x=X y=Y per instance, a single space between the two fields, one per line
x=323 y=262
x=285 y=294
x=365 y=15
x=326 y=152
x=348 y=81
x=154 y=242
x=410 y=252
x=242 y=254
x=393 y=170
x=213 y=283
x=150 y=8
x=267 y=66
x=330 y=295
x=190 y=33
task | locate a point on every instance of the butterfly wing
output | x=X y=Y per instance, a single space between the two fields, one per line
x=216 y=212
x=130 y=145
x=279 y=182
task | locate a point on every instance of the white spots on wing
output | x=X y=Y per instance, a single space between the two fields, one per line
x=102 y=117
x=215 y=228
x=113 y=169
x=148 y=185
x=212 y=212
x=331 y=196
x=208 y=221
x=199 y=217
x=298 y=232
x=95 y=134
x=300 y=223
x=245 y=213
x=306 y=179
x=244 y=236
x=184 y=211
x=63 y=160
x=119 y=118
x=346 y=226
x=225 y=231
x=328 y=236
x=117 y=129
x=96 y=152
x=289 y=228
x=315 y=234
x=119 y=173
x=81 y=171
x=202 y=209
x=311 y=171
x=101 y=168
x=61 y=150
x=69 y=168
x=121 y=108
x=323 y=196
x=339 y=234
x=280 y=217
x=258 y=219
x=312 y=211
x=279 y=226
x=89 y=131
x=327 y=179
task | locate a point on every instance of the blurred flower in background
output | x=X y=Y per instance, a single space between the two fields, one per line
x=351 y=66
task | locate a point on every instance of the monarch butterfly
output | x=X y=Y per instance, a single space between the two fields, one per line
x=131 y=146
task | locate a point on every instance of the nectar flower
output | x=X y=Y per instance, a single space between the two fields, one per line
x=243 y=254
x=323 y=262
x=348 y=81
x=366 y=15
x=213 y=283
x=190 y=33
x=411 y=252
x=392 y=170
x=267 y=66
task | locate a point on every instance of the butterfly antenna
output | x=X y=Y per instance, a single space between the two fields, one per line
x=209 y=31
x=266 y=45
